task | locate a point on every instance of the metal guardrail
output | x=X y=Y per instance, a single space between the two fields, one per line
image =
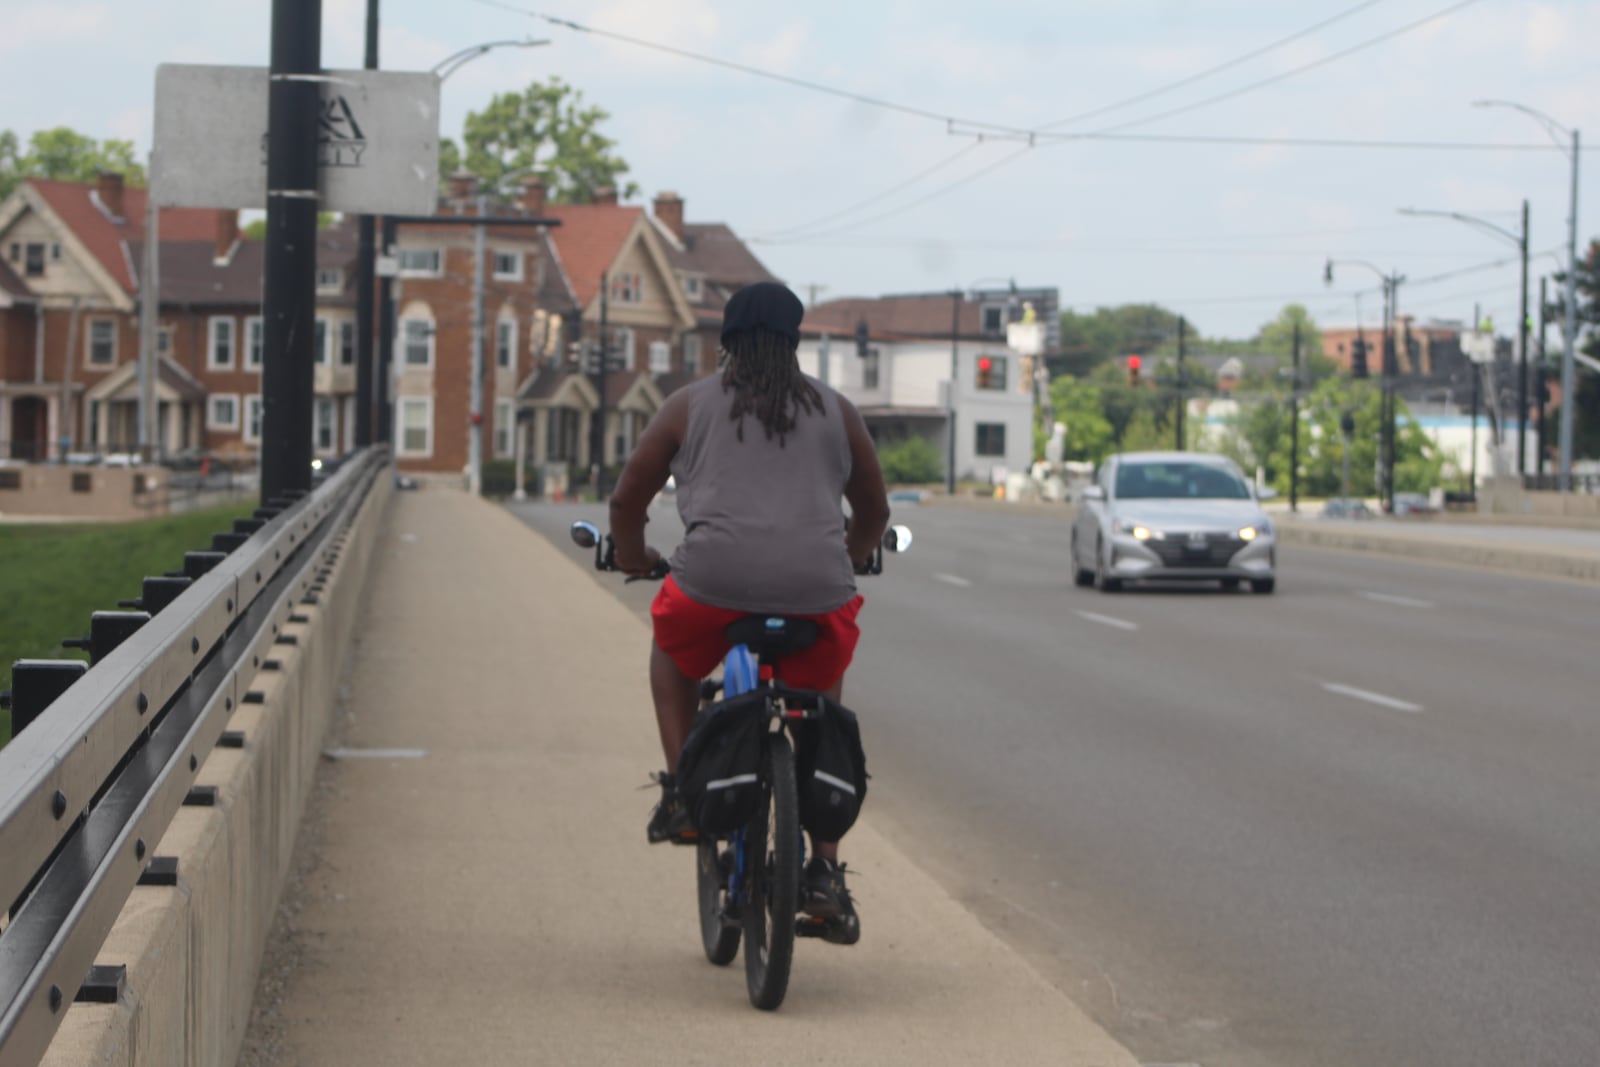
x=88 y=788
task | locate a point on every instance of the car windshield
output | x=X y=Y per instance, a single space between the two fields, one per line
x=1179 y=481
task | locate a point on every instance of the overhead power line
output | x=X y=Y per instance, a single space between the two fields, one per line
x=858 y=205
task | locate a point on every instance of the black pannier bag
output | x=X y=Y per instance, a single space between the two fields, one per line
x=832 y=771
x=720 y=768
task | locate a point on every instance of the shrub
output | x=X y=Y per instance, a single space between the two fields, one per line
x=911 y=461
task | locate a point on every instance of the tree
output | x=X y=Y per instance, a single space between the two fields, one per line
x=1263 y=431
x=1113 y=332
x=547 y=128
x=1586 y=397
x=1144 y=434
x=66 y=155
x=1277 y=336
x=256 y=229
x=1419 y=465
x=1079 y=409
x=911 y=461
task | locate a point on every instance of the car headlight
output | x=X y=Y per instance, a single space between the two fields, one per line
x=1137 y=530
x=1255 y=530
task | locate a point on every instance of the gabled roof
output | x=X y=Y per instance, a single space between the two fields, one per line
x=12 y=288
x=77 y=205
x=896 y=318
x=189 y=273
x=714 y=250
x=590 y=238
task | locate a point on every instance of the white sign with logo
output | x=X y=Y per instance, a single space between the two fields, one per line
x=377 y=144
x=1478 y=345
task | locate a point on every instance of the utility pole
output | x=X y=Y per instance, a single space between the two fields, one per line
x=1522 y=354
x=289 y=296
x=475 y=410
x=382 y=401
x=1294 y=427
x=950 y=405
x=1477 y=379
x=366 y=264
x=1181 y=324
x=1567 y=384
x=1539 y=394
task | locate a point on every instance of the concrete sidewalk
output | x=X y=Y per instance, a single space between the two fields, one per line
x=494 y=901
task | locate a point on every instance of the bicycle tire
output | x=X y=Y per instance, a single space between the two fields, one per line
x=720 y=939
x=773 y=843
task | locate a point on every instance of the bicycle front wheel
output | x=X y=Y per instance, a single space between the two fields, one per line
x=773 y=845
x=718 y=934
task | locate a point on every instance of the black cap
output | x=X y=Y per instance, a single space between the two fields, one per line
x=763 y=306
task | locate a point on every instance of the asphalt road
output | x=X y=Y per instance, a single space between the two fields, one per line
x=1354 y=822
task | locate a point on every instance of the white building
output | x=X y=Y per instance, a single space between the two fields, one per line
x=901 y=385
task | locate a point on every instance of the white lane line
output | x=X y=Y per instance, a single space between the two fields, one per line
x=1107 y=620
x=1401 y=601
x=952 y=579
x=1370 y=697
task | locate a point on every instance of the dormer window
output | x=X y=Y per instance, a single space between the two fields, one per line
x=34 y=267
x=330 y=281
x=692 y=286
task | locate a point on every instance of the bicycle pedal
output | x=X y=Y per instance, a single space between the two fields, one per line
x=807 y=926
x=688 y=837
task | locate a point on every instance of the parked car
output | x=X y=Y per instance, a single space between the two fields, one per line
x=1172 y=516
x=1346 y=509
x=1412 y=504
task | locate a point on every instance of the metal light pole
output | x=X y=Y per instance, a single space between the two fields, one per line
x=1555 y=130
x=1391 y=311
x=1179 y=419
x=950 y=401
x=366 y=266
x=1521 y=241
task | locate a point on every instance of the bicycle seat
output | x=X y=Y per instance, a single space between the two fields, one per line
x=772 y=636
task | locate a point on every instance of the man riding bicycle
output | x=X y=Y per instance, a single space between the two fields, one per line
x=762 y=456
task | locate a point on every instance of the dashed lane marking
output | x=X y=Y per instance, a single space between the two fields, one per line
x=1108 y=620
x=1370 y=697
x=953 y=579
x=1399 y=601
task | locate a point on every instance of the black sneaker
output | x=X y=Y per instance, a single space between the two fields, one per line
x=670 y=820
x=823 y=896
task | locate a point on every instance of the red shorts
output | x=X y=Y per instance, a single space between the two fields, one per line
x=692 y=634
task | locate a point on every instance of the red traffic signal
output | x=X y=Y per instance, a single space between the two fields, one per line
x=1134 y=362
x=985 y=363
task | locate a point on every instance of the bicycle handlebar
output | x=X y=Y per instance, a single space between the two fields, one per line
x=587 y=535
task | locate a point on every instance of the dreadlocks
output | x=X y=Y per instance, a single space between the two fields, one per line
x=761 y=369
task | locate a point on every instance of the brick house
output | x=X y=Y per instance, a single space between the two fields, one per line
x=69 y=337
x=668 y=282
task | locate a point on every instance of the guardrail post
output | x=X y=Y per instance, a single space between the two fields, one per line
x=35 y=684
x=158 y=593
x=107 y=630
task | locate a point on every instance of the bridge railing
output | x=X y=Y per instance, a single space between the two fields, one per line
x=104 y=757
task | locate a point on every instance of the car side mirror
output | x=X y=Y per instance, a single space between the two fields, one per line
x=1093 y=492
x=897 y=539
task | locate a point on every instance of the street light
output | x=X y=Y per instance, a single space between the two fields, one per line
x=1555 y=130
x=456 y=60
x=1521 y=241
x=1391 y=300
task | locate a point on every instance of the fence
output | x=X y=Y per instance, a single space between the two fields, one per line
x=106 y=754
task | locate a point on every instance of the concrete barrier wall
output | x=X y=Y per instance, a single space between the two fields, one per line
x=193 y=951
x=101 y=493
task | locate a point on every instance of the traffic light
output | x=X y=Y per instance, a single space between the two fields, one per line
x=863 y=338
x=985 y=372
x=1133 y=371
x=1358 y=358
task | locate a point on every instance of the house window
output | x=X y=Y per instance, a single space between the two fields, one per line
x=417 y=337
x=991 y=372
x=222 y=413
x=416 y=426
x=508 y=266
x=330 y=281
x=994 y=319
x=869 y=369
x=347 y=343
x=692 y=287
x=627 y=287
x=691 y=353
x=991 y=439
x=505 y=422
x=254 y=341
x=102 y=343
x=505 y=343
x=35 y=263
x=252 y=418
x=219 y=352
x=561 y=434
x=164 y=341
x=421 y=263
x=660 y=357
x=322 y=423
x=622 y=347
x=321 y=343
x=55 y=252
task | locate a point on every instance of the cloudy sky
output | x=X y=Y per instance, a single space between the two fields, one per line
x=855 y=198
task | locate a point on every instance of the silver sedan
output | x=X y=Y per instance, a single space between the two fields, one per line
x=1179 y=516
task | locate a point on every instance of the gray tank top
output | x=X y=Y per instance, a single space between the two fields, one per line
x=763 y=525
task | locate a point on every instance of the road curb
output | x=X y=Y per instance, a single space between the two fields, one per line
x=1547 y=563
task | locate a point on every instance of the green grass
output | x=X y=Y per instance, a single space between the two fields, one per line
x=53 y=577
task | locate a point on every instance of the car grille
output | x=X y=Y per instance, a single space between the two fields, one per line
x=1178 y=550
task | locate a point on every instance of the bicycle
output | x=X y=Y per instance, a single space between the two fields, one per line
x=748 y=882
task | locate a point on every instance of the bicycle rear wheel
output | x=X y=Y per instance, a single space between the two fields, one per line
x=773 y=845
x=720 y=937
